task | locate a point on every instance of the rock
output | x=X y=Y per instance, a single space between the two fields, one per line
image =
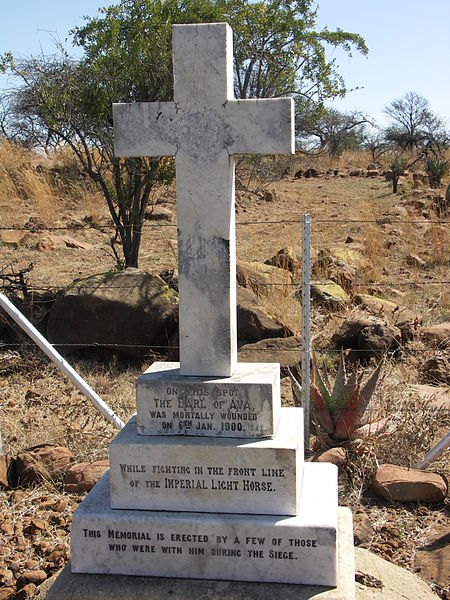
x=388 y=175
x=254 y=323
x=128 y=311
x=311 y=173
x=436 y=369
x=432 y=560
x=13 y=237
x=436 y=335
x=366 y=333
x=372 y=167
x=408 y=485
x=286 y=351
x=82 y=477
x=298 y=174
x=287 y=259
x=362 y=529
x=26 y=592
x=420 y=178
x=329 y=293
x=438 y=397
x=378 y=579
x=343 y=264
x=395 y=314
x=71 y=242
x=336 y=456
x=36 y=577
x=7 y=593
x=42 y=462
x=157 y=212
x=373 y=173
x=47 y=241
x=261 y=278
x=269 y=196
x=357 y=173
x=414 y=260
x=3 y=472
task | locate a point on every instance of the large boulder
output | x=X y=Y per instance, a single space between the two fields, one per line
x=404 y=318
x=409 y=485
x=254 y=323
x=329 y=293
x=128 y=311
x=286 y=258
x=262 y=278
x=366 y=335
x=286 y=351
x=342 y=264
x=436 y=369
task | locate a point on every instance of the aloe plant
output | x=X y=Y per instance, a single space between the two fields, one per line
x=342 y=412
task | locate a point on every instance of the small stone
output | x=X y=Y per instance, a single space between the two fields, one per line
x=26 y=592
x=408 y=485
x=7 y=593
x=7 y=528
x=42 y=462
x=362 y=529
x=436 y=370
x=415 y=261
x=31 y=577
x=329 y=293
x=59 y=506
x=336 y=456
x=30 y=564
x=35 y=525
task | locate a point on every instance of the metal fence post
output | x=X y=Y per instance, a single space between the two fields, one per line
x=306 y=321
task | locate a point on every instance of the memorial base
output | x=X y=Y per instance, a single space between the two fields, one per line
x=264 y=548
x=123 y=587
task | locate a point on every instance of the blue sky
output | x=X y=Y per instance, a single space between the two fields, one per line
x=409 y=44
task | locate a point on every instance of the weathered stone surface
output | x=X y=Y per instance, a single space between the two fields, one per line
x=260 y=277
x=335 y=456
x=329 y=293
x=3 y=472
x=26 y=592
x=436 y=369
x=343 y=264
x=362 y=529
x=378 y=579
x=404 y=318
x=368 y=334
x=247 y=404
x=81 y=477
x=432 y=559
x=104 y=587
x=42 y=462
x=203 y=127
x=285 y=351
x=225 y=543
x=204 y=474
x=286 y=258
x=157 y=212
x=253 y=322
x=13 y=237
x=436 y=335
x=431 y=395
x=127 y=311
x=409 y=485
x=36 y=577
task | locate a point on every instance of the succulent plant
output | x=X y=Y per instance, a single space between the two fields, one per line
x=342 y=413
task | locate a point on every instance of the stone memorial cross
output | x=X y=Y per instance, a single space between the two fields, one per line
x=203 y=128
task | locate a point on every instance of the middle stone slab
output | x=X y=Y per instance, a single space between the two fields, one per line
x=245 y=405
x=225 y=475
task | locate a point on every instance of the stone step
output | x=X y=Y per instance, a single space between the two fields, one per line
x=227 y=475
x=245 y=405
x=300 y=549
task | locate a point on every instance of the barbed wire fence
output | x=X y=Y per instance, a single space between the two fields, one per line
x=7 y=282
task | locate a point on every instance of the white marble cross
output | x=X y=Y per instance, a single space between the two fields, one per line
x=203 y=128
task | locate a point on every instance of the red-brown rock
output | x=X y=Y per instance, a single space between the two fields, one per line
x=82 y=477
x=336 y=456
x=409 y=485
x=26 y=592
x=42 y=462
x=36 y=577
x=436 y=335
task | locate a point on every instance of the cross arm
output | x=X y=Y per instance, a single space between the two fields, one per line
x=144 y=129
x=264 y=126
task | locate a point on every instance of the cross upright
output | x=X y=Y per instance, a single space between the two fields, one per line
x=203 y=128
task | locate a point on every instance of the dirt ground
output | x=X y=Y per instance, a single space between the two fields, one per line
x=39 y=406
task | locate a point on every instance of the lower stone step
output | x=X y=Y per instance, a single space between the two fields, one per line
x=300 y=549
